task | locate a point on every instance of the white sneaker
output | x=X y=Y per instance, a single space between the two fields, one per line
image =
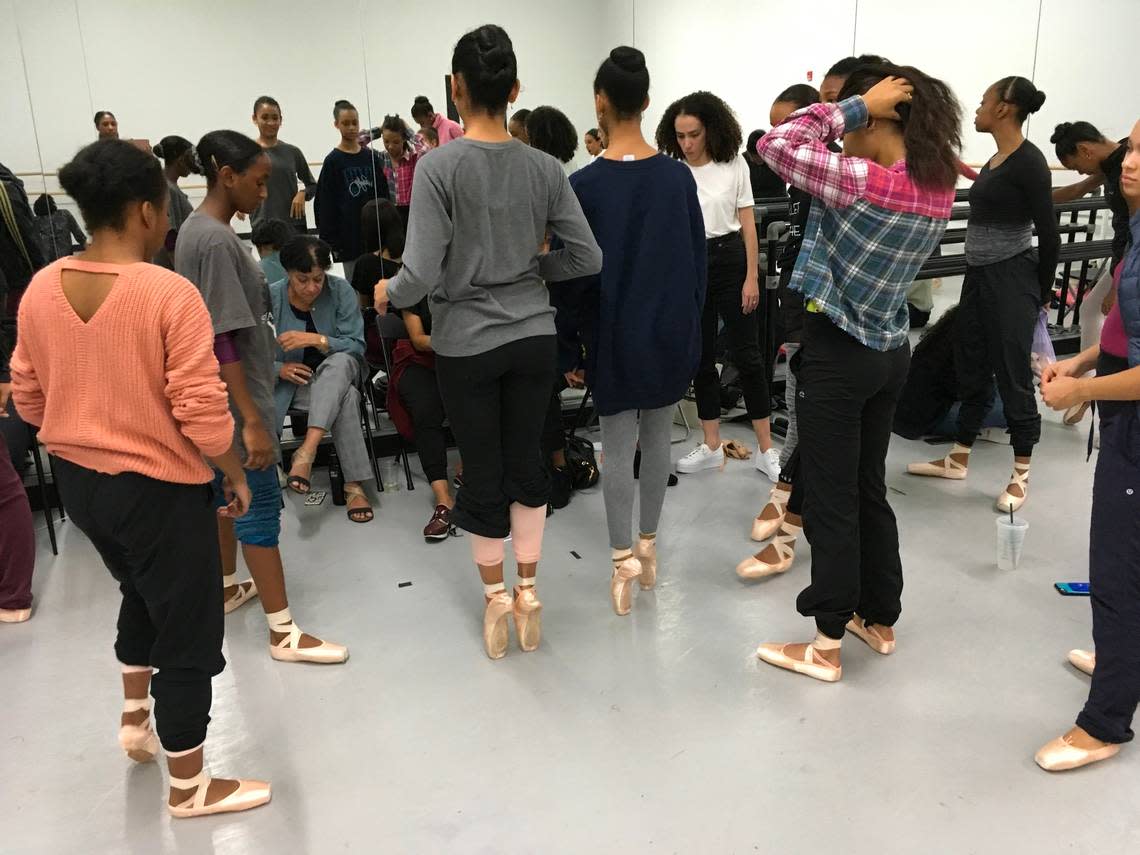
x=768 y=462
x=701 y=457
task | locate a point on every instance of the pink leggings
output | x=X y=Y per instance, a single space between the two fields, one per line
x=527 y=525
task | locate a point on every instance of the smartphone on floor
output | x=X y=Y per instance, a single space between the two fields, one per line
x=1072 y=589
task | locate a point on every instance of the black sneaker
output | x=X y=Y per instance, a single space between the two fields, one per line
x=561 y=488
x=672 y=482
x=457 y=481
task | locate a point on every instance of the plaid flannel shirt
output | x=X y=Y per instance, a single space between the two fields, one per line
x=400 y=175
x=863 y=246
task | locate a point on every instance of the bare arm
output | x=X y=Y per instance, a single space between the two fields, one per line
x=1072 y=192
x=750 y=293
x=421 y=341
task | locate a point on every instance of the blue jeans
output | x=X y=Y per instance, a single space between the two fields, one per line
x=261 y=525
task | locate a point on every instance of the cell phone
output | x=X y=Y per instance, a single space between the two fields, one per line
x=1072 y=589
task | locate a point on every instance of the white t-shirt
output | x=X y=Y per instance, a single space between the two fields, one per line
x=723 y=189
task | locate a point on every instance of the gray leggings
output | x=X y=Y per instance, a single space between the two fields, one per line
x=621 y=435
x=792 y=439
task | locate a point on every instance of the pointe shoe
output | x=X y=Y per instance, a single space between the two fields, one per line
x=625 y=572
x=528 y=618
x=947 y=468
x=496 y=627
x=249 y=794
x=138 y=740
x=764 y=529
x=1020 y=477
x=645 y=551
x=288 y=649
x=785 y=544
x=14 y=615
x=1076 y=413
x=1060 y=755
x=858 y=627
x=246 y=591
x=812 y=664
x=1083 y=660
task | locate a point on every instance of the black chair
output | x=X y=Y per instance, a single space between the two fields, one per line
x=46 y=504
x=391 y=328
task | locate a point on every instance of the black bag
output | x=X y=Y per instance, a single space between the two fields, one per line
x=581 y=462
x=580 y=458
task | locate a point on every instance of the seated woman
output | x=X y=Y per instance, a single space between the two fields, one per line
x=416 y=408
x=320 y=345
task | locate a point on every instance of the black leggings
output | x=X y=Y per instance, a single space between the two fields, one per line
x=419 y=390
x=553 y=434
x=993 y=337
x=497 y=404
x=728 y=265
x=160 y=542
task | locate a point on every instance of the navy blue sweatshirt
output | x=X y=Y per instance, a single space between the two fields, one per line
x=643 y=311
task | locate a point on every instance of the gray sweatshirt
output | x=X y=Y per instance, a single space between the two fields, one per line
x=480 y=214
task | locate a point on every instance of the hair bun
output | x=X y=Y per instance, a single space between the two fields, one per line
x=1060 y=132
x=159 y=151
x=628 y=59
x=421 y=99
x=1037 y=101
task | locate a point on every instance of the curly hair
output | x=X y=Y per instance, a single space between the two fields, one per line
x=723 y=136
x=551 y=131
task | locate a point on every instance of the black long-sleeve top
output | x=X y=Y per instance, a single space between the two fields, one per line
x=1019 y=191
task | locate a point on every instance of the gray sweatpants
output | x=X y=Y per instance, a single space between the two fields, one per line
x=793 y=436
x=621 y=435
x=332 y=401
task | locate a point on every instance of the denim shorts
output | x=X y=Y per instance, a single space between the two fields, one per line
x=261 y=525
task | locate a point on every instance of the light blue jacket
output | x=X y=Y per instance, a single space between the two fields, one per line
x=336 y=315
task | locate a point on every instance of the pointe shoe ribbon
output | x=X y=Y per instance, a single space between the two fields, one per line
x=784 y=543
x=737 y=450
x=1020 y=478
x=249 y=794
x=763 y=529
x=138 y=740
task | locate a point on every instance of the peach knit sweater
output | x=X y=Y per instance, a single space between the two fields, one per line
x=134 y=389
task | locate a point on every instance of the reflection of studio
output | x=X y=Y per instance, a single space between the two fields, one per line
x=351 y=361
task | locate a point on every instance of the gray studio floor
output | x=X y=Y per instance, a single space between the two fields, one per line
x=659 y=732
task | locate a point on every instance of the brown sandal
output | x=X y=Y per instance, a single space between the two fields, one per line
x=296 y=483
x=358 y=515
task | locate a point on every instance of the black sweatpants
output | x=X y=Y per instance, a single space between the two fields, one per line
x=497 y=403
x=1114 y=576
x=160 y=542
x=553 y=433
x=993 y=339
x=419 y=390
x=845 y=405
x=727 y=266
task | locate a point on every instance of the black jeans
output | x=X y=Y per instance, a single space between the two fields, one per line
x=728 y=265
x=993 y=338
x=497 y=403
x=845 y=405
x=419 y=390
x=1114 y=576
x=160 y=542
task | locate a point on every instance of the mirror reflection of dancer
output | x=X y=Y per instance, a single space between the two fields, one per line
x=644 y=310
x=889 y=195
x=492 y=324
x=129 y=409
x=1105 y=723
x=211 y=256
x=283 y=200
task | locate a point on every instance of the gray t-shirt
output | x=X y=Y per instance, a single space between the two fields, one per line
x=210 y=255
x=480 y=214
x=288 y=166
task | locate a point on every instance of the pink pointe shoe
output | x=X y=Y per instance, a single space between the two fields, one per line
x=811 y=664
x=248 y=795
x=626 y=570
x=872 y=635
x=1061 y=754
x=763 y=529
x=528 y=618
x=138 y=740
x=1083 y=660
x=14 y=615
x=645 y=551
x=496 y=625
x=784 y=543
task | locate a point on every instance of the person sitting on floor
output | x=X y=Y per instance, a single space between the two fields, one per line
x=320 y=346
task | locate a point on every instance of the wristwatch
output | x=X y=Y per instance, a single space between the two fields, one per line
x=325 y=343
